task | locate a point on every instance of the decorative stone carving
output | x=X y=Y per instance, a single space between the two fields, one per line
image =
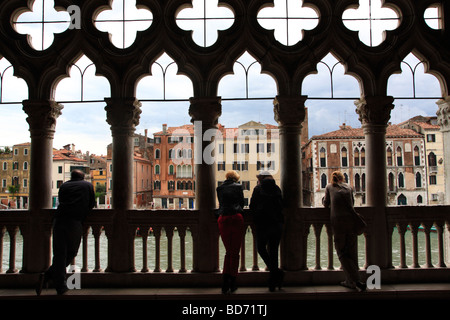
x=443 y=114
x=289 y=110
x=42 y=117
x=374 y=110
x=123 y=115
x=207 y=110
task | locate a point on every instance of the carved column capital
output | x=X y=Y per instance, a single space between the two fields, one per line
x=123 y=115
x=208 y=110
x=42 y=115
x=289 y=111
x=374 y=110
x=443 y=114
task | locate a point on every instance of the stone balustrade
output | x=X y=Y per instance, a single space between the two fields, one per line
x=180 y=227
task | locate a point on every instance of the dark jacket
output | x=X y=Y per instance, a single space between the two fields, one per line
x=339 y=198
x=266 y=203
x=76 y=199
x=231 y=198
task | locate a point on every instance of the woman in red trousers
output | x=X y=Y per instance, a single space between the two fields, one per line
x=231 y=227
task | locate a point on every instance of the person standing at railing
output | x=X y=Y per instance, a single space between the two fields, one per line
x=231 y=227
x=339 y=198
x=266 y=205
x=76 y=200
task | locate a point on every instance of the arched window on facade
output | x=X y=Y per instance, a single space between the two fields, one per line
x=418 y=180
x=157 y=169
x=401 y=180
x=432 y=160
x=416 y=156
x=323 y=157
x=399 y=157
x=157 y=154
x=389 y=157
x=401 y=200
x=344 y=157
x=363 y=157
x=356 y=157
x=419 y=199
x=323 y=181
x=391 y=182
x=357 y=182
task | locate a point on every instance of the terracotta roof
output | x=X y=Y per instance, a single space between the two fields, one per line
x=347 y=132
x=64 y=154
x=171 y=130
x=139 y=157
x=427 y=125
x=226 y=132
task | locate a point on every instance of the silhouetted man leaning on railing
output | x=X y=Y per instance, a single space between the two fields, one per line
x=76 y=200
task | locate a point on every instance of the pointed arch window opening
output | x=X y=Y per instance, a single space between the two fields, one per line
x=247 y=95
x=2 y=74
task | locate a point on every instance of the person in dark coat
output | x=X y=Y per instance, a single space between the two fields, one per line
x=231 y=227
x=339 y=198
x=266 y=205
x=76 y=199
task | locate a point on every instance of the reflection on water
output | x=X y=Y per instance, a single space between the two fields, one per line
x=311 y=258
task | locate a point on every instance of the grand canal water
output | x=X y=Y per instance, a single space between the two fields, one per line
x=248 y=248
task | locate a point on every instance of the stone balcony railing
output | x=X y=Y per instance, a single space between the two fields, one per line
x=161 y=224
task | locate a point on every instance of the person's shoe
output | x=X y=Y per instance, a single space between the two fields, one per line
x=361 y=286
x=280 y=278
x=43 y=281
x=62 y=291
x=347 y=285
x=233 y=286
x=276 y=280
x=273 y=281
x=226 y=284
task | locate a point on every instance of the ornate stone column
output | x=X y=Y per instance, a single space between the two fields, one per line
x=42 y=115
x=205 y=113
x=123 y=116
x=443 y=115
x=374 y=114
x=289 y=113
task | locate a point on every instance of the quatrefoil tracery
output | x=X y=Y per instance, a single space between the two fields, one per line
x=287 y=18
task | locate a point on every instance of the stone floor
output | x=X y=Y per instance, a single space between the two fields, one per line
x=406 y=301
x=424 y=291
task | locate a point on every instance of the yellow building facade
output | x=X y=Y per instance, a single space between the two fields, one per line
x=248 y=149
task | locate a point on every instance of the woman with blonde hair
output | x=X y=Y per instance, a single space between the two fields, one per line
x=231 y=227
x=339 y=197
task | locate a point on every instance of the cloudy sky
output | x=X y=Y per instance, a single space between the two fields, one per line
x=84 y=125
